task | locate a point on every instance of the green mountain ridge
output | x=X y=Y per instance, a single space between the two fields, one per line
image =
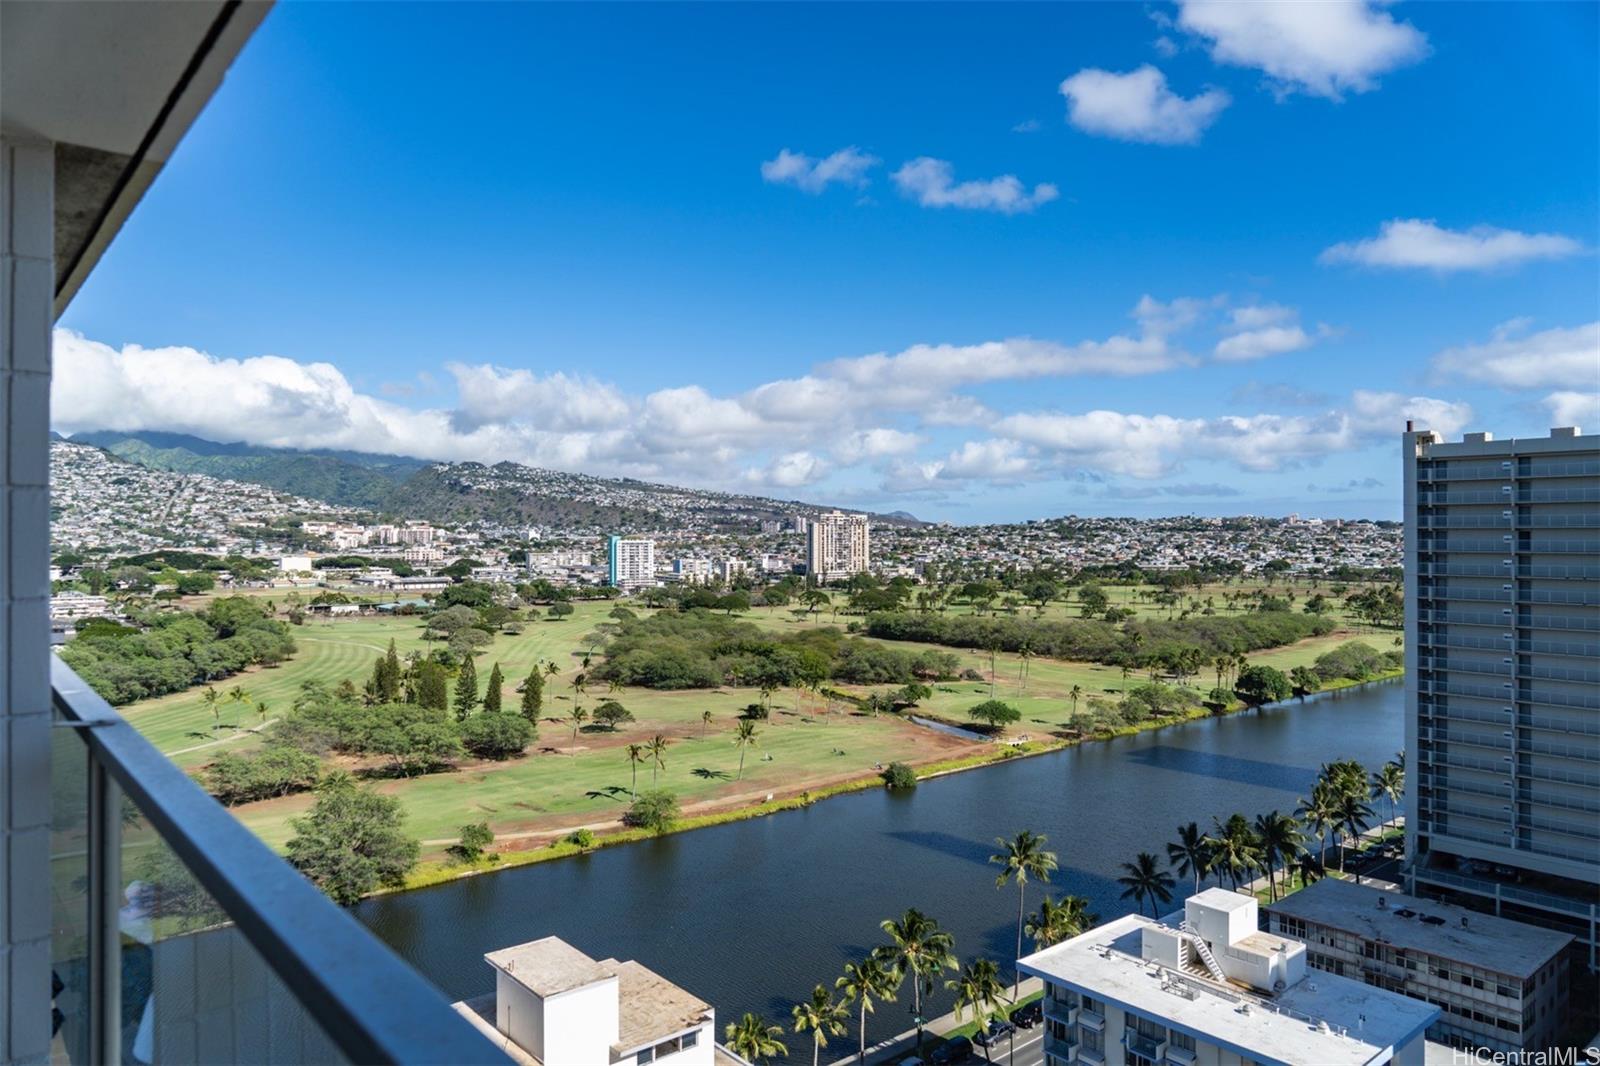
x=506 y=493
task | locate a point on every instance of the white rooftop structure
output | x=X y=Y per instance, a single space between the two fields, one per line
x=1205 y=986
x=553 y=1005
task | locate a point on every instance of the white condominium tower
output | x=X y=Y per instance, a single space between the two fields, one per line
x=836 y=546
x=1502 y=572
x=631 y=563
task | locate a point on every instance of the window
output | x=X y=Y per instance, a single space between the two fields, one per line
x=690 y=1039
x=1092 y=1004
x=647 y=1055
x=1091 y=1040
x=1182 y=1040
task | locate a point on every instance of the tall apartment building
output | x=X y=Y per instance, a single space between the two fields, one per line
x=1502 y=572
x=631 y=562
x=837 y=546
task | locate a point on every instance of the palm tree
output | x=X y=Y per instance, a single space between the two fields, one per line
x=636 y=755
x=1320 y=813
x=551 y=669
x=1190 y=853
x=705 y=720
x=1233 y=847
x=1389 y=784
x=1280 y=838
x=978 y=986
x=209 y=698
x=577 y=716
x=1056 y=922
x=237 y=695
x=1352 y=815
x=657 y=750
x=754 y=1038
x=1075 y=694
x=871 y=979
x=824 y=1016
x=920 y=949
x=744 y=737
x=1146 y=879
x=1020 y=859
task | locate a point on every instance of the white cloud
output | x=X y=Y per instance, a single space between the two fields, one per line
x=1138 y=106
x=931 y=183
x=791 y=470
x=1513 y=358
x=1027 y=125
x=1422 y=243
x=847 y=166
x=556 y=401
x=876 y=444
x=876 y=411
x=1150 y=446
x=1260 y=343
x=1319 y=47
x=1570 y=408
x=1257 y=331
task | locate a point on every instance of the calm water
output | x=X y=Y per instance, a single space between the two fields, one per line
x=750 y=915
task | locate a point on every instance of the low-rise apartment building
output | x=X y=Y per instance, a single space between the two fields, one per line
x=553 y=1005
x=1205 y=987
x=1499 y=984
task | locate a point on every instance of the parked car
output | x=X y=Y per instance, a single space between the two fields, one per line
x=958 y=1049
x=997 y=1031
x=1028 y=1015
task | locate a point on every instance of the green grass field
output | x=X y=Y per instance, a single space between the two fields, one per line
x=566 y=782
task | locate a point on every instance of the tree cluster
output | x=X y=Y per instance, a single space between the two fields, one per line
x=174 y=650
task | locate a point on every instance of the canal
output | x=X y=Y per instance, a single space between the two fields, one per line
x=750 y=915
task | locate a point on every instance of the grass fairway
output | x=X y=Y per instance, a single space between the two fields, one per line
x=566 y=782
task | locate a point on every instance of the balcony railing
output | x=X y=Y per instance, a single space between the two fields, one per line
x=179 y=936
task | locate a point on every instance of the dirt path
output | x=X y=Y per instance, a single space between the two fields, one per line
x=222 y=740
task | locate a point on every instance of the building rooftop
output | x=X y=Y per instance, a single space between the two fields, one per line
x=550 y=966
x=1496 y=944
x=1323 y=1019
x=652 y=1007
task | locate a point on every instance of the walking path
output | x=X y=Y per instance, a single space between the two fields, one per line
x=890 y=1050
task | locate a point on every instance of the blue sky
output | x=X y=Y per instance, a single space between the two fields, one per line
x=976 y=262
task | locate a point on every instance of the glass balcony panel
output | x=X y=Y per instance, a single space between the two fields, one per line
x=193 y=989
x=69 y=897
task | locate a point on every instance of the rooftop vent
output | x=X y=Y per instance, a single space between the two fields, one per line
x=1383 y=904
x=1478 y=438
x=1463 y=921
x=1566 y=431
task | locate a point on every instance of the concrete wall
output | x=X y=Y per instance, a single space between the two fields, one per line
x=581 y=1025
x=27 y=278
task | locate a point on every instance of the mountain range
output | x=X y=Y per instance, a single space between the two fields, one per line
x=505 y=493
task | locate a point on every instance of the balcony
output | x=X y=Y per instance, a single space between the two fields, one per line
x=1182 y=1056
x=1150 y=1047
x=1092 y=1019
x=180 y=937
x=1061 y=1049
x=1057 y=1011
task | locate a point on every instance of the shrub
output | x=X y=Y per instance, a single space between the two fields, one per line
x=656 y=810
x=276 y=770
x=899 y=776
x=612 y=714
x=994 y=713
x=474 y=839
x=496 y=736
x=350 y=842
x=1353 y=660
x=582 y=839
x=1257 y=685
